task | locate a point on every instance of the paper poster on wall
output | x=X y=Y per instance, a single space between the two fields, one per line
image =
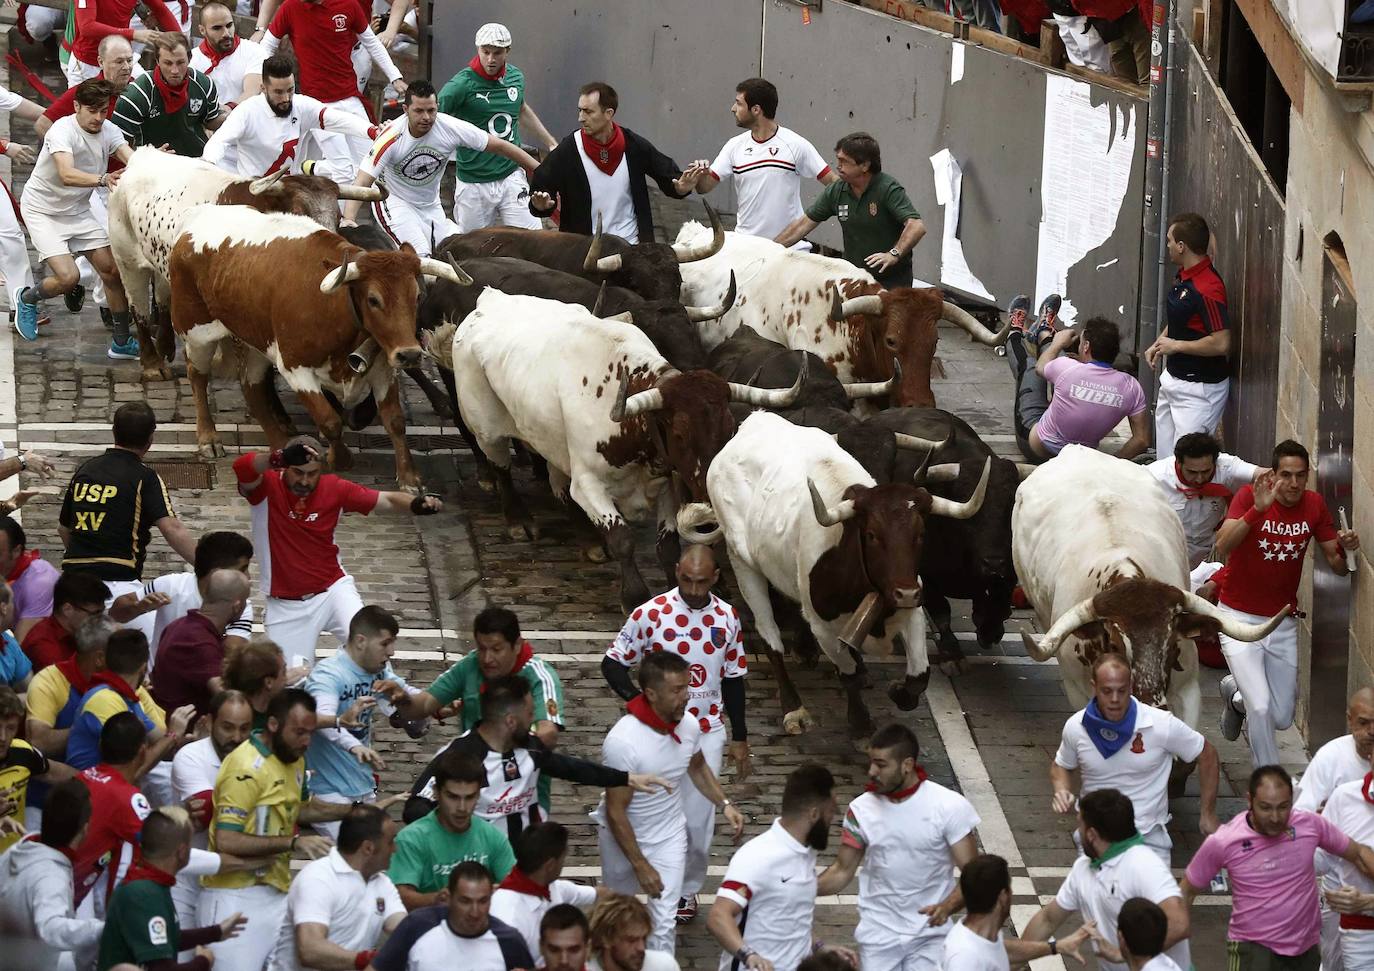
x=1088 y=157
x=954 y=269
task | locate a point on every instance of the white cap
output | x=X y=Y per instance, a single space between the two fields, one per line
x=495 y=35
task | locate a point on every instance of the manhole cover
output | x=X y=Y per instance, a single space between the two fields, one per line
x=185 y=475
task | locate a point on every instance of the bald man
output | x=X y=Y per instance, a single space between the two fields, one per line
x=1339 y=761
x=1118 y=742
x=190 y=653
x=703 y=629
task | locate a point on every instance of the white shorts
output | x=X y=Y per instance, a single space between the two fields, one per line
x=921 y=954
x=424 y=229
x=265 y=908
x=78 y=71
x=1084 y=47
x=62 y=235
x=295 y=625
x=477 y=205
x=41 y=22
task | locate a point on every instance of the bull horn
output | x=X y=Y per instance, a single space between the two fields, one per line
x=334 y=279
x=772 y=398
x=915 y=443
x=836 y=304
x=966 y=320
x=875 y=389
x=690 y=254
x=624 y=317
x=356 y=193
x=829 y=515
x=258 y=186
x=870 y=304
x=609 y=264
x=361 y=358
x=944 y=472
x=439 y=344
x=860 y=622
x=1083 y=612
x=1023 y=470
x=1232 y=628
x=449 y=271
x=462 y=273
x=594 y=260
x=698 y=314
x=628 y=405
x=600 y=299
x=967 y=509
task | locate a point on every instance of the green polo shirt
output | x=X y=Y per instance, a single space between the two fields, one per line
x=493 y=106
x=872 y=222
x=143 y=118
x=140 y=926
x=426 y=852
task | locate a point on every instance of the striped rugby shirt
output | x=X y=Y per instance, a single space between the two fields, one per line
x=768 y=178
x=143 y=118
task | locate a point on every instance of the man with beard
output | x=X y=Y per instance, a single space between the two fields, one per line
x=620 y=927
x=919 y=832
x=409 y=158
x=264 y=132
x=564 y=939
x=1199 y=481
x=172 y=107
x=296 y=508
x=767 y=163
x=260 y=798
x=705 y=630
x=234 y=64
x=773 y=878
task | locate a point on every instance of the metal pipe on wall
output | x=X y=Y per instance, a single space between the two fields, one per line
x=1170 y=75
x=1152 y=242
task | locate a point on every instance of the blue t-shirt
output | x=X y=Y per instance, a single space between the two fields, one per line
x=97 y=705
x=337 y=682
x=14 y=663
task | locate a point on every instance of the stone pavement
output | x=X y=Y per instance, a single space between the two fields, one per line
x=989 y=732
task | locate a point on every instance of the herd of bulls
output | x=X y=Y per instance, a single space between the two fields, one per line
x=726 y=386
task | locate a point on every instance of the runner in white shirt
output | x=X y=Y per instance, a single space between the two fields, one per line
x=184 y=592
x=232 y=62
x=409 y=157
x=529 y=890
x=1347 y=891
x=1199 y=481
x=264 y=133
x=706 y=631
x=1117 y=866
x=342 y=905
x=643 y=836
x=1141 y=929
x=14 y=249
x=767 y=163
x=771 y=881
x=1119 y=743
x=565 y=939
x=620 y=925
x=910 y=834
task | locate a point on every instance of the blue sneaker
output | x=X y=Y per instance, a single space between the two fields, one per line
x=26 y=317
x=126 y=351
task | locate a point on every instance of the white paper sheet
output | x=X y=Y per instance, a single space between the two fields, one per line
x=954 y=268
x=956 y=63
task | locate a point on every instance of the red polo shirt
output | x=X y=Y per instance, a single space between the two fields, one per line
x=48 y=642
x=322 y=35
x=190 y=653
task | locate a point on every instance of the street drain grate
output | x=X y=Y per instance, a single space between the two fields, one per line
x=185 y=475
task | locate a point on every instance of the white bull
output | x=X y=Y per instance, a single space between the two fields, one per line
x=1102 y=559
x=802 y=516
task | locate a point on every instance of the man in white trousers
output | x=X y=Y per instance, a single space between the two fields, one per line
x=705 y=630
x=14 y=250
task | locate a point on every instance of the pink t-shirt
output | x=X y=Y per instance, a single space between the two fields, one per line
x=1273 y=881
x=1090 y=399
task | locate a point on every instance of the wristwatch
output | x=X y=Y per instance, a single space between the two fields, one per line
x=23 y=463
x=894 y=254
x=744 y=954
x=1054 y=946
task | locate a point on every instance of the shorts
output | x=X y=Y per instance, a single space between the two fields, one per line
x=1249 y=956
x=295 y=625
x=477 y=205
x=920 y=954
x=62 y=235
x=423 y=229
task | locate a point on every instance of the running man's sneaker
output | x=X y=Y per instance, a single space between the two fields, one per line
x=26 y=317
x=686 y=908
x=75 y=298
x=1017 y=312
x=126 y=351
x=1231 y=717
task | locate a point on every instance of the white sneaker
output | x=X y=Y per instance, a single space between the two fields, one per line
x=1232 y=716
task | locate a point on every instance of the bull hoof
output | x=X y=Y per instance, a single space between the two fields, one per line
x=596 y=553
x=211 y=449
x=906 y=694
x=523 y=531
x=157 y=372
x=951 y=668
x=797 y=722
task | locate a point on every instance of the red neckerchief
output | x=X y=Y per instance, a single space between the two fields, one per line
x=1197 y=492
x=605 y=157
x=476 y=65
x=1368 y=778
x=521 y=659
x=900 y=794
x=141 y=869
x=24 y=563
x=70 y=670
x=117 y=683
x=173 y=99
x=520 y=883
x=639 y=707
x=214 y=56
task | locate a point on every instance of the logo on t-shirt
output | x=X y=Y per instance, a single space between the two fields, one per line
x=512 y=93
x=381 y=906
x=157 y=930
x=843 y=211
x=1138 y=744
x=718 y=635
x=1292 y=547
x=698 y=675
x=196 y=105
x=340 y=22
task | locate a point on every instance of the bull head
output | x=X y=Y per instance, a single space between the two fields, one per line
x=652 y=399
x=383 y=309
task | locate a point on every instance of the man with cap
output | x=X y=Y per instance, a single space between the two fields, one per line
x=490 y=93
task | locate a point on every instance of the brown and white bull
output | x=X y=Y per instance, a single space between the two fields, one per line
x=1102 y=559
x=154 y=195
x=292 y=294
x=613 y=419
x=829 y=307
x=802 y=516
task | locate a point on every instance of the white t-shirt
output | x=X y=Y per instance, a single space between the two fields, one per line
x=194 y=769
x=185 y=595
x=1140 y=769
x=1201 y=510
x=768 y=178
x=1160 y=962
x=524 y=911
x=8 y=99
x=710 y=640
x=773 y=880
x=45 y=192
x=1098 y=894
x=330 y=892
x=653 y=961
x=254 y=140
x=1336 y=763
x=967 y=951
x=411 y=167
x=1353 y=815
x=631 y=745
x=611 y=199
x=229 y=73
x=907 y=863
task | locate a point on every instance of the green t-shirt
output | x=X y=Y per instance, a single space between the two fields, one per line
x=143 y=118
x=871 y=223
x=140 y=926
x=494 y=107
x=426 y=852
